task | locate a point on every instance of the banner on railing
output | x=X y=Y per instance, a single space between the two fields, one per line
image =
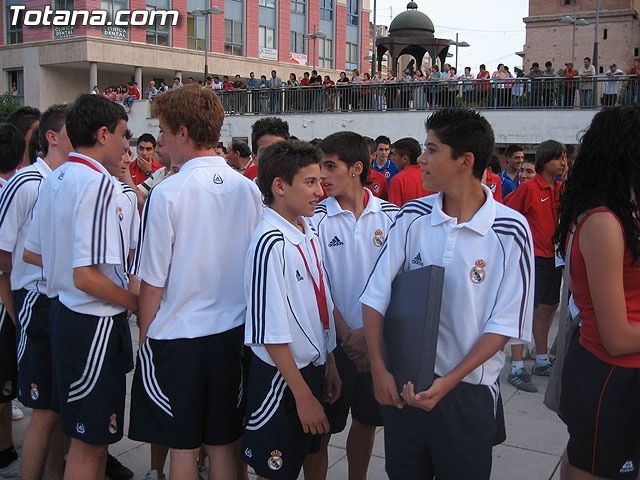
x=299 y=58
x=268 y=53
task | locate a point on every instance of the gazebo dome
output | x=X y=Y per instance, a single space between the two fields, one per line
x=411 y=22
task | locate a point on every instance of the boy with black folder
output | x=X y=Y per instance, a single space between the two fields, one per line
x=449 y=429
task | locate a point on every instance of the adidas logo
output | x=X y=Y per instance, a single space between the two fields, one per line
x=417 y=260
x=336 y=242
x=217 y=179
x=298 y=276
x=627 y=467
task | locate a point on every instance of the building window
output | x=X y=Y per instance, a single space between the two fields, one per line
x=267 y=3
x=267 y=37
x=569 y=2
x=112 y=31
x=233 y=37
x=636 y=52
x=14 y=32
x=298 y=6
x=195 y=25
x=63 y=31
x=326 y=9
x=16 y=77
x=298 y=44
x=157 y=34
x=605 y=33
x=352 y=12
x=325 y=52
x=351 y=60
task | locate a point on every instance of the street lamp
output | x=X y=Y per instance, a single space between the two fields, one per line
x=458 y=44
x=206 y=13
x=314 y=36
x=374 y=52
x=575 y=22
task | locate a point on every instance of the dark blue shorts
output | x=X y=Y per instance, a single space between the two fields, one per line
x=91 y=357
x=8 y=364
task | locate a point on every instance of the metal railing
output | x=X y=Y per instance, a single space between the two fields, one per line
x=552 y=93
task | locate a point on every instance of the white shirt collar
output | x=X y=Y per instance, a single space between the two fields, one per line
x=373 y=205
x=481 y=222
x=198 y=162
x=94 y=162
x=291 y=233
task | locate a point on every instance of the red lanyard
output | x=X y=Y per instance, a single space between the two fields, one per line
x=74 y=159
x=321 y=296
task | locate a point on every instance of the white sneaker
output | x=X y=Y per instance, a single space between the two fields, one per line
x=12 y=471
x=16 y=412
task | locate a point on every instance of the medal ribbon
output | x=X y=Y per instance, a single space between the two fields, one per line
x=321 y=295
x=74 y=159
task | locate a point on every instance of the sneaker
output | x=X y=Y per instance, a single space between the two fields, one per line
x=12 y=471
x=522 y=381
x=116 y=471
x=541 y=369
x=16 y=412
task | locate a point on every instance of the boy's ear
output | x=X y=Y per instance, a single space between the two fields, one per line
x=277 y=187
x=357 y=168
x=468 y=160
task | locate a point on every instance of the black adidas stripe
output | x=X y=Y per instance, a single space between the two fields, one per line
x=259 y=282
x=10 y=191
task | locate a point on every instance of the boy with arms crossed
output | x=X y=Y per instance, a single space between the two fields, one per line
x=75 y=237
x=29 y=286
x=448 y=431
x=190 y=238
x=289 y=325
x=352 y=225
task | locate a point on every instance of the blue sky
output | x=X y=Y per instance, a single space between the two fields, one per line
x=493 y=28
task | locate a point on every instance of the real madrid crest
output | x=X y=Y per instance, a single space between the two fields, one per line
x=113 y=424
x=478 y=272
x=7 y=388
x=120 y=214
x=35 y=394
x=378 y=237
x=275 y=460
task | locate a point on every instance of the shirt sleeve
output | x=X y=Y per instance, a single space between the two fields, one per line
x=157 y=234
x=265 y=292
x=33 y=242
x=134 y=228
x=96 y=227
x=377 y=291
x=16 y=204
x=395 y=192
x=517 y=200
x=512 y=314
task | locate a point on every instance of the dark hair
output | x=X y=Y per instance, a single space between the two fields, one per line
x=383 y=139
x=548 y=64
x=535 y=65
x=483 y=66
x=464 y=131
x=23 y=118
x=547 y=151
x=284 y=160
x=52 y=119
x=241 y=148
x=268 y=126
x=12 y=147
x=349 y=147
x=612 y=140
x=587 y=58
x=410 y=147
x=315 y=141
x=494 y=164
x=511 y=149
x=371 y=144
x=88 y=114
x=147 y=137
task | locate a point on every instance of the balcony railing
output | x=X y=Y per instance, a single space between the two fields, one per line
x=551 y=93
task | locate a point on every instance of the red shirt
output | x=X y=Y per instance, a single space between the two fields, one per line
x=538 y=202
x=407 y=185
x=305 y=82
x=495 y=185
x=378 y=185
x=228 y=85
x=138 y=175
x=251 y=172
x=135 y=92
x=589 y=332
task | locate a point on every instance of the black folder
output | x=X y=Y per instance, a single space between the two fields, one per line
x=411 y=326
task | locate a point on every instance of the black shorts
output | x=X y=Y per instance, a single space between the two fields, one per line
x=35 y=377
x=274 y=443
x=548 y=280
x=357 y=396
x=8 y=364
x=187 y=392
x=600 y=404
x=452 y=441
x=91 y=357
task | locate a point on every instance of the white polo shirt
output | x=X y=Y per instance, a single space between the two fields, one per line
x=350 y=248
x=196 y=227
x=488 y=279
x=127 y=215
x=16 y=210
x=75 y=224
x=281 y=299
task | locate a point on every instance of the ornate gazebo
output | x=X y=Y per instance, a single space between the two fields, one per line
x=411 y=33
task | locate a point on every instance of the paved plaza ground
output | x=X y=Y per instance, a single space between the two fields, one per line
x=535 y=440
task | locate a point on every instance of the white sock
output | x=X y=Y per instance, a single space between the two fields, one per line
x=542 y=359
x=516 y=365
